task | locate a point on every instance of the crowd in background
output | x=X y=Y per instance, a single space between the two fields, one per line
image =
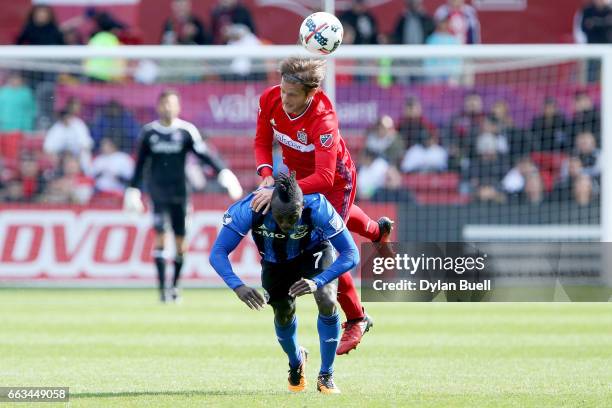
x=493 y=158
x=554 y=158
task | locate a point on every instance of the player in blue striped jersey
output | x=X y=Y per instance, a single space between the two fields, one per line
x=296 y=241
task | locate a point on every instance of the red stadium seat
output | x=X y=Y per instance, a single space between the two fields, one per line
x=10 y=145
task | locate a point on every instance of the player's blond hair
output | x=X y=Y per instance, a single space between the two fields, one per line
x=309 y=72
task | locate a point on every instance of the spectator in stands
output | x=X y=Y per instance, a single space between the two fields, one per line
x=487 y=170
x=70 y=186
x=413 y=126
x=113 y=120
x=241 y=67
x=379 y=181
x=462 y=130
x=519 y=145
x=586 y=149
x=183 y=27
x=17 y=105
x=563 y=188
x=462 y=21
x=584 y=190
x=372 y=173
x=13 y=192
x=69 y=135
x=41 y=28
x=31 y=178
x=533 y=193
x=549 y=130
x=383 y=140
x=106 y=35
x=112 y=170
x=104 y=22
x=362 y=21
x=515 y=181
x=425 y=156
x=596 y=22
x=443 y=69
x=586 y=117
x=489 y=127
x=414 y=26
x=228 y=12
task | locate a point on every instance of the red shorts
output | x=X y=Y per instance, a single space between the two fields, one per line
x=341 y=196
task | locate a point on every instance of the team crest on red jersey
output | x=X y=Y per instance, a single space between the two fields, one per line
x=326 y=140
x=302 y=137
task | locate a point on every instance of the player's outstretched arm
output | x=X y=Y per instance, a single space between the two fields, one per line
x=347 y=260
x=229 y=181
x=226 y=242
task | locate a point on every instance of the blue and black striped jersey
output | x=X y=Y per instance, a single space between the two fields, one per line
x=319 y=223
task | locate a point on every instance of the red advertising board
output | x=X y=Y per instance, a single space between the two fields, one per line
x=100 y=246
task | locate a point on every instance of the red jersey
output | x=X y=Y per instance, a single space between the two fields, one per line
x=311 y=143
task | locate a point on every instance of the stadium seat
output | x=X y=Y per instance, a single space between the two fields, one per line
x=10 y=145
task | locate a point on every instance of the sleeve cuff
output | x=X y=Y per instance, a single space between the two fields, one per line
x=264 y=170
x=319 y=282
x=235 y=283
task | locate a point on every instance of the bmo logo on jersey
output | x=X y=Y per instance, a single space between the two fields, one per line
x=300 y=232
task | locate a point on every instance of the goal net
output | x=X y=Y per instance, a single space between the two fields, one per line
x=455 y=143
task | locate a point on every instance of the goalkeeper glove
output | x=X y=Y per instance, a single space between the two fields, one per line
x=228 y=180
x=132 y=201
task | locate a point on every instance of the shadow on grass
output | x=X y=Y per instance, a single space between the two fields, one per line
x=187 y=393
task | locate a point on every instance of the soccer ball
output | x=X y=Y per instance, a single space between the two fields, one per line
x=321 y=33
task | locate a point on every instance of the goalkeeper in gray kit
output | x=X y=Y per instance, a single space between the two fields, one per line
x=164 y=144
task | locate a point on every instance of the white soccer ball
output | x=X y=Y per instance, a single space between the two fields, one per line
x=321 y=33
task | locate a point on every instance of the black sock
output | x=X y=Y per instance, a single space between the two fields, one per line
x=160 y=264
x=178 y=266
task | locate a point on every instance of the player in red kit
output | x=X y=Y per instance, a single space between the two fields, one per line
x=300 y=117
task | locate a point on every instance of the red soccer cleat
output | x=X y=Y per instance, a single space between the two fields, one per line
x=353 y=332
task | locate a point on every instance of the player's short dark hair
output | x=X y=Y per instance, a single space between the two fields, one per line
x=287 y=196
x=168 y=92
x=309 y=72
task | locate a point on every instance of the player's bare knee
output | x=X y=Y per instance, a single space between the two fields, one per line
x=326 y=299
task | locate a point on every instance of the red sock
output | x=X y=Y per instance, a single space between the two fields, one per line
x=348 y=297
x=359 y=223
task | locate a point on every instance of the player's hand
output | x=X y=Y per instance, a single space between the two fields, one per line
x=268 y=181
x=132 y=200
x=251 y=297
x=261 y=200
x=302 y=287
x=228 y=179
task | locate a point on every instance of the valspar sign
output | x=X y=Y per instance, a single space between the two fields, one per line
x=103 y=245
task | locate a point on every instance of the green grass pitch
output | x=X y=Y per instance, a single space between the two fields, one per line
x=120 y=348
